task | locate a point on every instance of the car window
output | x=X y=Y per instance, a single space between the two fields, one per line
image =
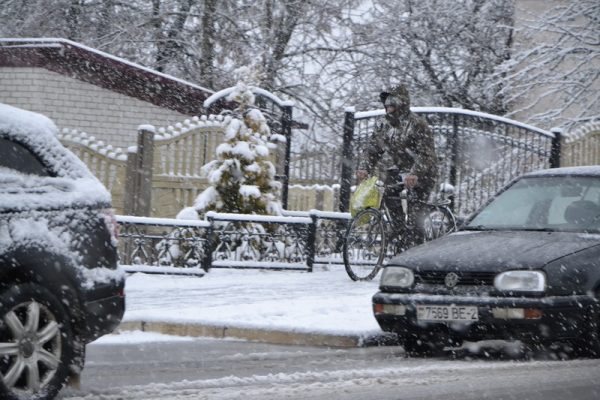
x=546 y=203
x=16 y=157
x=556 y=212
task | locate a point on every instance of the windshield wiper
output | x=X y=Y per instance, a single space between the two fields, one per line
x=475 y=228
x=506 y=228
x=535 y=229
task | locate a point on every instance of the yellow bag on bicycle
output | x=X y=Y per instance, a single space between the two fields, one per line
x=366 y=195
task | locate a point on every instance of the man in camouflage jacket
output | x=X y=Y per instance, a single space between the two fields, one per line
x=406 y=141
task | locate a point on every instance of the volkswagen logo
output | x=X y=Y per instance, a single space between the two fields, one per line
x=451 y=280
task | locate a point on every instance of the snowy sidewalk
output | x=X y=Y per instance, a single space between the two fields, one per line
x=324 y=307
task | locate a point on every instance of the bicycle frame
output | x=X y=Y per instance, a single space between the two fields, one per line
x=404 y=195
x=379 y=236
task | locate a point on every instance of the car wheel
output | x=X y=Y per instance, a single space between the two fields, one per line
x=433 y=344
x=419 y=346
x=35 y=343
x=587 y=347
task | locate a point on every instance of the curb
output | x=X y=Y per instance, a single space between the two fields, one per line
x=261 y=335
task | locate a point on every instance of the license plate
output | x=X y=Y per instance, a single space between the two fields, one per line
x=447 y=313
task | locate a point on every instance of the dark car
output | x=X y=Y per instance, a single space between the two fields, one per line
x=60 y=286
x=526 y=267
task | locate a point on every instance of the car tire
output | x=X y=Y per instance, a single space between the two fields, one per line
x=431 y=344
x=589 y=346
x=419 y=346
x=35 y=343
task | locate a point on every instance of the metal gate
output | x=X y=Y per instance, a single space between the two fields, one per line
x=478 y=153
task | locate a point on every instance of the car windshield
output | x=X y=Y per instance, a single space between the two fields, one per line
x=552 y=203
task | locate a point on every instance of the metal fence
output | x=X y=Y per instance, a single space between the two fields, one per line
x=293 y=242
x=477 y=153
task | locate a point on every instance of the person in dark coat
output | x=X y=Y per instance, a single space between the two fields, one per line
x=403 y=141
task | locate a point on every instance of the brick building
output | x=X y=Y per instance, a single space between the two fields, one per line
x=92 y=91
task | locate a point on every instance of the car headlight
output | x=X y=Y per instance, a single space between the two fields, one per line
x=520 y=281
x=397 y=277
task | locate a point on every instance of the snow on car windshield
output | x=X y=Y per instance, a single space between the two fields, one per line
x=553 y=203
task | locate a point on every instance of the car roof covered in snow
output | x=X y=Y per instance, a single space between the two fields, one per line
x=39 y=134
x=587 y=170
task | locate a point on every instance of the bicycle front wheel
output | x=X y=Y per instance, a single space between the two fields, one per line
x=365 y=244
x=438 y=222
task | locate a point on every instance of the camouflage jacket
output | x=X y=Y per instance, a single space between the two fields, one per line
x=410 y=147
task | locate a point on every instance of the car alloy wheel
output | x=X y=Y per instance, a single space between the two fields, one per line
x=34 y=343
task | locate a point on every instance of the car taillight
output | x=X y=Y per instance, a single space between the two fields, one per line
x=111 y=224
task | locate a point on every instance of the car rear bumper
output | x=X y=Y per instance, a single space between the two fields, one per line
x=102 y=316
x=552 y=318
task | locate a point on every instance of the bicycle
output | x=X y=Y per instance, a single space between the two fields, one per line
x=372 y=237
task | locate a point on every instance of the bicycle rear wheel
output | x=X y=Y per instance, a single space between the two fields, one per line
x=365 y=245
x=438 y=222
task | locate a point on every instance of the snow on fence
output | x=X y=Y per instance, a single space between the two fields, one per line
x=313 y=197
x=107 y=163
x=295 y=241
x=477 y=151
x=178 y=153
x=582 y=147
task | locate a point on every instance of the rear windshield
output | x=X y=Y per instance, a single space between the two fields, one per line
x=17 y=157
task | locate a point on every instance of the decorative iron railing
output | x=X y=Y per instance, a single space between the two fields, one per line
x=160 y=244
x=293 y=242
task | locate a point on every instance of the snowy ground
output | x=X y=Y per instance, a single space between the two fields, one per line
x=325 y=301
x=164 y=367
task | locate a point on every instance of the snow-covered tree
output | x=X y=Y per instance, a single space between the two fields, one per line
x=329 y=55
x=445 y=51
x=242 y=178
x=553 y=77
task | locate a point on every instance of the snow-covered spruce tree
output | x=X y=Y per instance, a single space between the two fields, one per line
x=242 y=179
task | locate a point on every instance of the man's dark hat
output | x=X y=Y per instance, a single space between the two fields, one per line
x=399 y=90
x=383 y=96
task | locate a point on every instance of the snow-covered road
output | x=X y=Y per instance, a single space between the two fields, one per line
x=149 y=366
x=143 y=366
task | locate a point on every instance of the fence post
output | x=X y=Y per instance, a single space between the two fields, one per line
x=335 y=199
x=454 y=149
x=286 y=127
x=555 y=150
x=208 y=245
x=138 y=195
x=130 y=191
x=311 y=243
x=347 y=160
x=319 y=197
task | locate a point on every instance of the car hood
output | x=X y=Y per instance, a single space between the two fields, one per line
x=495 y=250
